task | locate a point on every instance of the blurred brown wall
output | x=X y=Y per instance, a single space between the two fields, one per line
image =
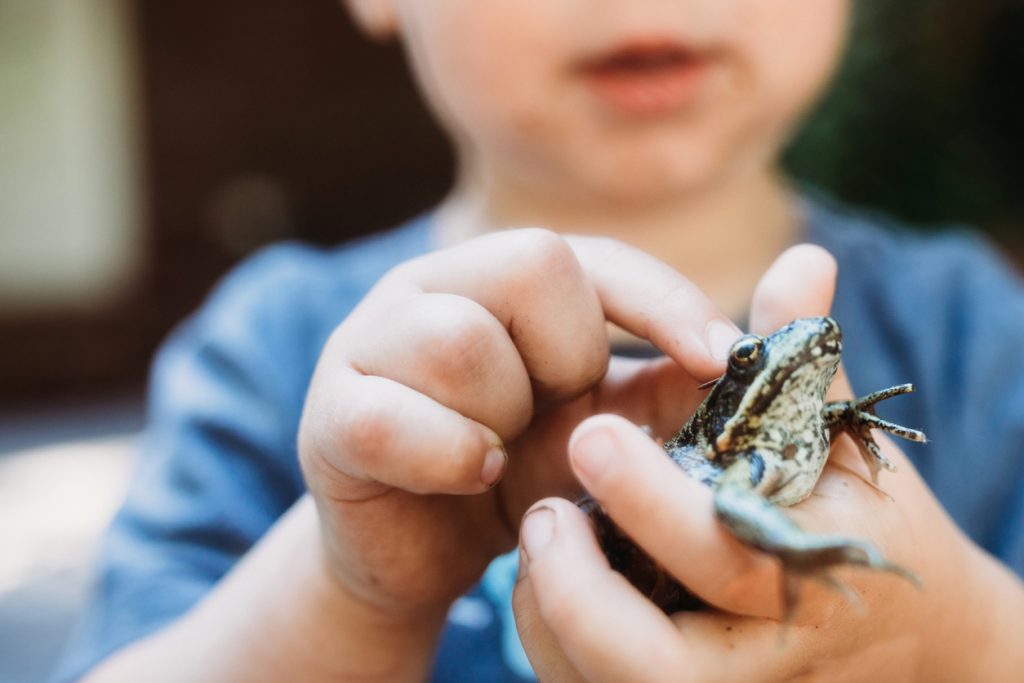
x=260 y=120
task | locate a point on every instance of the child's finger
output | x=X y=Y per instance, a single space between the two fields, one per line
x=372 y=431
x=447 y=347
x=578 y=617
x=564 y=289
x=531 y=282
x=646 y=297
x=607 y=630
x=800 y=284
x=548 y=660
x=671 y=516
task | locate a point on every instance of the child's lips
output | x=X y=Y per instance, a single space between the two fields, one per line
x=646 y=79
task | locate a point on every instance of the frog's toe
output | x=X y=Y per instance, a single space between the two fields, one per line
x=858 y=418
x=859 y=414
x=872 y=454
x=865 y=419
x=868 y=402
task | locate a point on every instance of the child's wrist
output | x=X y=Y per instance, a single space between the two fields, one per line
x=383 y=644
x=393 y=622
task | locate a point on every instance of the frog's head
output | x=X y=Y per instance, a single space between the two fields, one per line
x=776 y=383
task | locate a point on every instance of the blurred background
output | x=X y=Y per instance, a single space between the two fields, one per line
x=146 y=147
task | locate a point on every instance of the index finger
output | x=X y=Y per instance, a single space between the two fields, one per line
x=528 y=280
x=648 y=298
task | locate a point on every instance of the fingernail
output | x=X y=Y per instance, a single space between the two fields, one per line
x=538 y=528
x=591 y=451
x=720 y=337
x=495 y=461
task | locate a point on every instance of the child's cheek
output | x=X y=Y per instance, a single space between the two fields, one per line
x=792 y=48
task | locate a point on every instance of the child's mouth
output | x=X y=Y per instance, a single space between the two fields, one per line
x=646 y=79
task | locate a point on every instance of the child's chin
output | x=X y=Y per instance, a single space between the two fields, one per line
x=644 y=182
x=659 y=164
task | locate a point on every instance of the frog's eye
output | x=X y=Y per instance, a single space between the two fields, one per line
x=746 y=351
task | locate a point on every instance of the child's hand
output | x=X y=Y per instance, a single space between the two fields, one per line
x=580 y=620
x=472 y=360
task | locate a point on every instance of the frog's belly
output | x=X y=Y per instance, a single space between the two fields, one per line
x=797 y=478
x=789 y=475
x=794 y=453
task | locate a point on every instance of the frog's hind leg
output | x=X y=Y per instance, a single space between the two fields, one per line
x=761 y=525
x=858 y=417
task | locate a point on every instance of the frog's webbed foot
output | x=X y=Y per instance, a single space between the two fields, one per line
x=858 y=417
x=758 y=523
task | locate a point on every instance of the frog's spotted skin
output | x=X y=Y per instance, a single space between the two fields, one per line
x=760 y=439
x=774 y=400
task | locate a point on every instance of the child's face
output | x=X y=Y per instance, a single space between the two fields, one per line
x=631 y=99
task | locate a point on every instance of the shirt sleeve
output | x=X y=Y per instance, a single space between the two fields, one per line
x=217 y=464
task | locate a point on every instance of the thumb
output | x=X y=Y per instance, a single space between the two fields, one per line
x=800 y=284
x=549 y=661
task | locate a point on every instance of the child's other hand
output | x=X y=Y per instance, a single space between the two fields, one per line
x=581 y=621
x=442 y=406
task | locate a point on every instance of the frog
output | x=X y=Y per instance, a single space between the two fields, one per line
x=760 y=439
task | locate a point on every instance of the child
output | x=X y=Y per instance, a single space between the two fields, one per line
x=434 y=375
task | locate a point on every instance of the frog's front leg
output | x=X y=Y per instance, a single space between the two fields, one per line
x=753 y=520
x=858 y=417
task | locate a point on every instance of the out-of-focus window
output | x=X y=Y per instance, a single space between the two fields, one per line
x=69 y=199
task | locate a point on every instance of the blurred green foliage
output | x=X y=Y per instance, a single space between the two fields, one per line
x=926 y=118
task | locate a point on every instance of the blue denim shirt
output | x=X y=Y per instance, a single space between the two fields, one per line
x=218 y=463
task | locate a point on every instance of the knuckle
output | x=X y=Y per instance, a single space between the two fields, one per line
x=365 y=430
x=460 y=345
x=538 y=242
x=403 y=272
x=545 y=253
x=592 y=362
